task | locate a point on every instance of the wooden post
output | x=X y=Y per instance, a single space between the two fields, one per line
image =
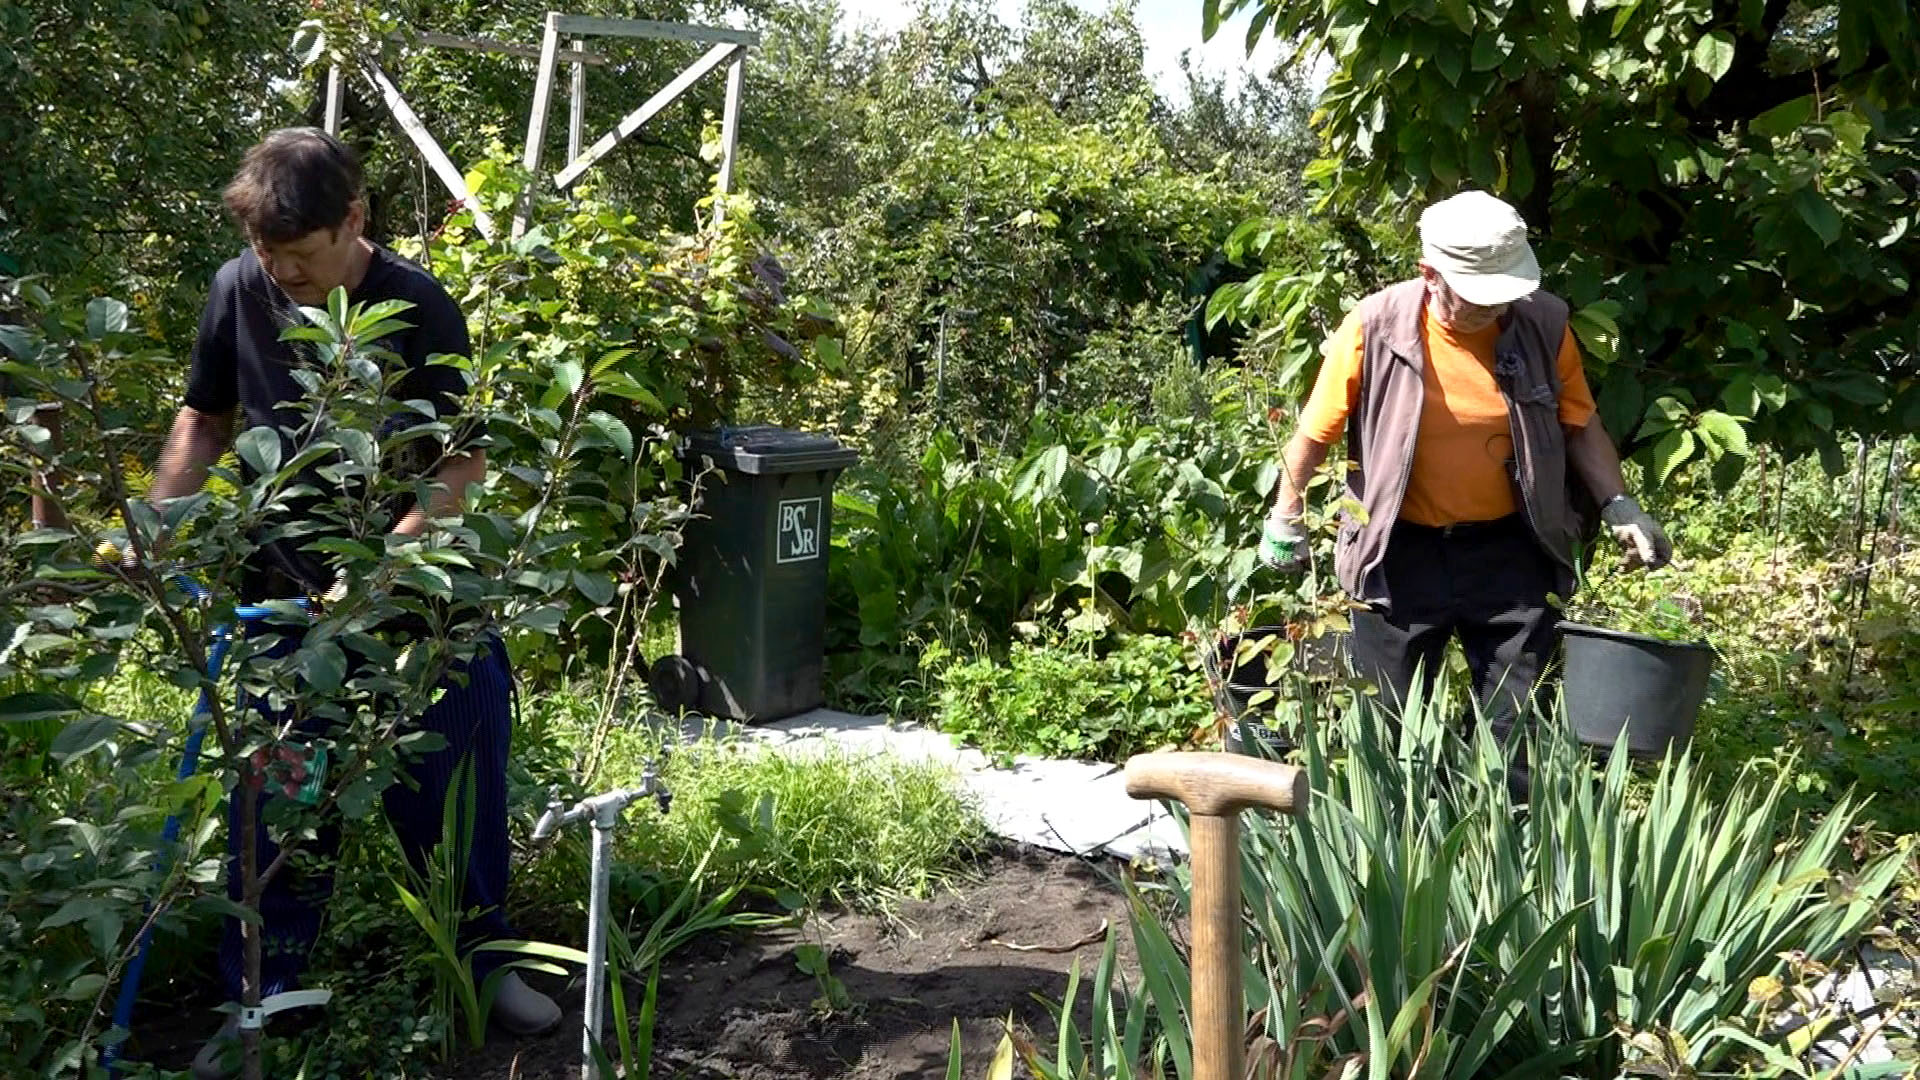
x=423 y=140
x=730 y=133
x=537 y=119
x=335 y=92
x=577 y=105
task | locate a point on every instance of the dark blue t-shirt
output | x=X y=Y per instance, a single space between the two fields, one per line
x=240 y=362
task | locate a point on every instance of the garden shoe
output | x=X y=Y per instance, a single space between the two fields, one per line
x=220 y=1057
x=523 y=1010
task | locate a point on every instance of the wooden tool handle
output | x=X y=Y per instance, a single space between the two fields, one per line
x=1216 y=784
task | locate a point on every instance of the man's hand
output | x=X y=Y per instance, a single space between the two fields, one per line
x=1646 y=542
x=1283 y=543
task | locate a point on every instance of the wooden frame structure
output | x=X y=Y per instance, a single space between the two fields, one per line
x=728 y=47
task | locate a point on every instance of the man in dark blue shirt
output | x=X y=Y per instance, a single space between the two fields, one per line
x=297 y=197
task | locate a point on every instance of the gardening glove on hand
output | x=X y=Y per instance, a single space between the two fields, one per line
x=1283 y=543
x=1645 y=540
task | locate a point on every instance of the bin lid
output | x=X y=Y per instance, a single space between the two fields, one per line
x=763 y=449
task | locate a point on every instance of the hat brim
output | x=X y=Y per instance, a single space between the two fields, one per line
x=1492 y=290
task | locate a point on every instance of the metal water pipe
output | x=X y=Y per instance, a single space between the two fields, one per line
x=603 y=813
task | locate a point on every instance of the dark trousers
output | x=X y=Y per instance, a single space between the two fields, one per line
x=1486 y=583
x=475 y=716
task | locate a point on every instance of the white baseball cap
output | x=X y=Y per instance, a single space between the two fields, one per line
x=1479 y=245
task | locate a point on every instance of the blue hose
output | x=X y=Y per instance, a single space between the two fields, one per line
x=170 y=832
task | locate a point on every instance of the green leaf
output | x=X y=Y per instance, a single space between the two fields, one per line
x=599 y=589
x=1671 y=452
x=83 y=735
x=614 y=431
x=1597 y=328
x=324 y=665
x=1818 y=213
x=85 y=986
x=1487 y=53
x=1728 y=433
x=831 y=352
x=259 y=447
x=1713 y=54
x=77 y=909
x=30 y=706
x=567 y=375
x=1783 y=119
x=105 y=315
x=1741 y=397
x=1857 y=387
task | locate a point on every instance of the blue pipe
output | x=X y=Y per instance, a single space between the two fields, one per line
x=170 y=832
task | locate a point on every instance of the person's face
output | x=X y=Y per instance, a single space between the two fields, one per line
x=1456 y=313
x=309 y=268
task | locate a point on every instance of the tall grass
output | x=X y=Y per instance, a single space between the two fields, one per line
x=830 y=827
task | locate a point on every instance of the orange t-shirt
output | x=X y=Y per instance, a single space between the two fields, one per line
x=1459 y=459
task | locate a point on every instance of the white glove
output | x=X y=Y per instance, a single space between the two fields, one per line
x=1283 y=543
x=1646 y=542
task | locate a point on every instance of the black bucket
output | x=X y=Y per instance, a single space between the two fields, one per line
x=1650 y=688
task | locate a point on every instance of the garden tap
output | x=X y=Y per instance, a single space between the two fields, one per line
x=603 y=813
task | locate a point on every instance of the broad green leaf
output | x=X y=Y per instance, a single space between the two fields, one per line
x=1713 y=54
x=77 y=909
x=1727 y=433
x=1818 y=213
x=599 y=589
x=259 y=447
x=1859 y=388
x=614 y=431
x=1597 y=328
x=1783 y=119
x=83 y=735
x=31 y=706
x=105 y=315
x=84 y=987
x=1741 y=397
x=1671 y=452
x=567 y=375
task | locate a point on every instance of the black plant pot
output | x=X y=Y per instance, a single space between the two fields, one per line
x=1618 y=681
x=1323 y=656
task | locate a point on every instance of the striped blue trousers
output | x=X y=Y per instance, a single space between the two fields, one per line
x=475 y=717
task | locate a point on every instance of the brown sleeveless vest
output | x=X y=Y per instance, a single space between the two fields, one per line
x=1385 y=425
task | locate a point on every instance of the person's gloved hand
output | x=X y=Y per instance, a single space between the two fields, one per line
x=1645 y=540
x=1283 y=543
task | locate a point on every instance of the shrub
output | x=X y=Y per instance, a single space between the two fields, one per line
x=1065 y=700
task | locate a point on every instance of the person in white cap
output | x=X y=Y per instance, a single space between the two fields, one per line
x=1475 y=449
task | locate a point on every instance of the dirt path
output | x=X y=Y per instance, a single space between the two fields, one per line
x=743 y=1010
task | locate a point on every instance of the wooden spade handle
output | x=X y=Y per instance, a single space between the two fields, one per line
x=1216 y=787
x=1215 y=784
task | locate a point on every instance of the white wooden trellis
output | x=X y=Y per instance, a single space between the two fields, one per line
x=728 y=47
x=411 y=123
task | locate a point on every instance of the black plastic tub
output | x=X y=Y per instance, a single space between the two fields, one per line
x=1250 y=689
x=1650 y=688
